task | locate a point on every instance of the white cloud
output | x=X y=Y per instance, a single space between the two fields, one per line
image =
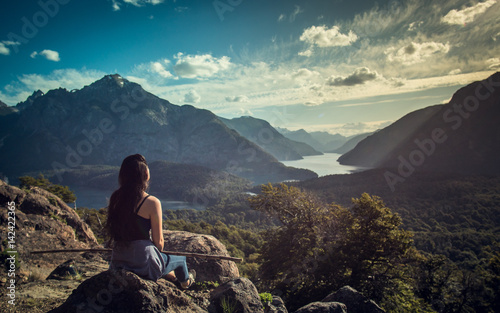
x=192 y=97
x=116 y=5
x=358 y=77
x=200 y=66
x=416 y=52
x=159 y=69
x=321 y=36
x=138 y=3
x=467 y=15
x=50 y=55
x=245 y=112
x=455 y=72
x=295 y=13
x=494 y=37
x=493 y=63
x=291 y=18
x=3 y=46
x=414 y=26
x=306 y=53
x=304 y=74
x=312 y=103
x=3 y=49
x=240 y=98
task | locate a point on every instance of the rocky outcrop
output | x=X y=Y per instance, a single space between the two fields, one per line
x=125 y=292
x=276 y=306
x=43 y=222
x=355 y=301
x=323 y=307
x=65 y=271
x=240 y=295
x=206 y=270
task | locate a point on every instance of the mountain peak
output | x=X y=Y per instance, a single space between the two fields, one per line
x=113 y=81
x=29 y=101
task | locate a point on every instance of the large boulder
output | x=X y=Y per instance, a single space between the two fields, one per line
x=125 y=292
x=43 y=222
x=276 y=306
x=323 y=307
x=206 y=269
x=238 y=295
x=355 y=301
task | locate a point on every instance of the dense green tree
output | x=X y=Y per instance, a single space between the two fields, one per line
x=319 y=248
x=62 y=192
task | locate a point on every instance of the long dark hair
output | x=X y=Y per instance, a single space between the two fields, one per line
x=133 y=181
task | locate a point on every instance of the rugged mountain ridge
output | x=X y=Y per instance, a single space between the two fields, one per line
x=102 y=123
x=462 y=136
x=268 y=138
x=351 y=143
x=5 y=109
x=321 y=141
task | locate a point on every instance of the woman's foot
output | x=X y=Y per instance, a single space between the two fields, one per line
x=188 y=283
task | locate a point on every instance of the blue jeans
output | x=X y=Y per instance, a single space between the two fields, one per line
x=177 y=264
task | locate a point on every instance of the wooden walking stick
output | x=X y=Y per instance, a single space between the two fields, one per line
x=186 y=254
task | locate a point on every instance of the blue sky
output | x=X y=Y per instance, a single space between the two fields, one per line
x=338 y=66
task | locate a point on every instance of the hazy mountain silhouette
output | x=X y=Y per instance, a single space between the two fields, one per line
x=461 y=136
x=102 y=123
x=268 y=138
x=372 y=150
x=350 y=143
x=321 y=141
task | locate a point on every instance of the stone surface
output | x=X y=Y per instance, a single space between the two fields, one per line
x=323 y=307
x=66 y=271
x=355 y=301
x=276 y=306
x=43 y=222
x=123 y=291
x=239 y=294
x=206 y=270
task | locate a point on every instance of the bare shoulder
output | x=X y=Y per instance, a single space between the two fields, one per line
x=150 y=207
x=153 y=203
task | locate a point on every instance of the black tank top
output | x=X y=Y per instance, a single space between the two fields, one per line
x=140 y=225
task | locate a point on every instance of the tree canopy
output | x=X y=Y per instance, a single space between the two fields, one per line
x=62 y=192
x=321 y=247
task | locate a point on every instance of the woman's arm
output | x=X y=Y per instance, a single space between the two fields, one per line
x=156 y=223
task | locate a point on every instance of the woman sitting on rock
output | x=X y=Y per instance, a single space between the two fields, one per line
x=132 y=213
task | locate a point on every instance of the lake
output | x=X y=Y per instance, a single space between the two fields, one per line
x=323 y=165
x=98 y=198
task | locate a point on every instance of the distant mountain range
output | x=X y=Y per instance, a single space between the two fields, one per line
x=5 y=109
x=102 y=123
x=268 y=138
x=321 y=141
x=351 y=143
x=324 y=141
x=462 y=136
